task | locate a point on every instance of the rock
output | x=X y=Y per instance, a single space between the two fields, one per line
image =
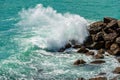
x=96 y=27
x=108 y=19
x=102 y=73
x=117 y=40
x=98 y=62
x=82 y=50
x=77 y=46
x=101 y=51
x=118 y=60
x=110 y=37
x=99 y=78
x=98 y=45
x=114 y=46
x=81 y=79
x=108 y=44
x=68 y=45
x=88 y=41
x=77 y=62
x=118 y=22
x=116 y=78
x=90 y=53
x=98 y=56
x=108 y=30
x=98 y=37
x=61 y=50
x=113 y=24
x=117 y=70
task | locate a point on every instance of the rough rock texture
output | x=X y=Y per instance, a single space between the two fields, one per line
x=117 y=70
x=77 y=62
x=98 y=62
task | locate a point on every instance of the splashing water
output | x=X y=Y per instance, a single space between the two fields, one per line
x=54 y=28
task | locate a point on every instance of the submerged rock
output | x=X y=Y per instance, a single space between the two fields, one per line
x=78 y=62
x=99 y=56
x=98 y=78
x=80 y=79
x=98 y=62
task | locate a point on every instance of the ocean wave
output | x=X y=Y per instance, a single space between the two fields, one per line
x=53 y=30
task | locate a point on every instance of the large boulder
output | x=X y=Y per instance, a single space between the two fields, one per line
x=96 y=27
x=78 y=62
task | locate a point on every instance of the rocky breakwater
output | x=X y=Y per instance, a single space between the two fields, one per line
x=104 y=36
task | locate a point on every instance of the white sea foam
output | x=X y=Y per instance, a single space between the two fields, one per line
x=54 y=28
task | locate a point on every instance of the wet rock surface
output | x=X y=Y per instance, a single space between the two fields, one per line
x=78 y=62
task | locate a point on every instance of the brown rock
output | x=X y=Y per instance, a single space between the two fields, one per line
x=98 y=37
x=96 y=27
x=90 y=53
x=108 y=44
x=118 y=60
x=77 y=62
x=98 y=56
x=108 y=30
x=118 y=40
x=114 y=46
x=98 y=45
x=82 y=50
x=113 y=24
x=101 y=73
x=88 y=41
x=98 y=62
x=117 y=70
x=99 y=78
x=108 y=19
x=110 y=52
x=118 y=23
x=101 y=51
x=110 y=36
x=68 y=45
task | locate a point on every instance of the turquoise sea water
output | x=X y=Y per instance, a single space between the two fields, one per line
x=30 y=31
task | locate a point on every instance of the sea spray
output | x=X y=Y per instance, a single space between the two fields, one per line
x=53 y=29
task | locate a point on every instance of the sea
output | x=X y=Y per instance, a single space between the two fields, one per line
x=32 y=32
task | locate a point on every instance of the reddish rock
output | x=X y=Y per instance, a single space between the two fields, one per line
x=90 y=53
x=108 y=44
x=99 y=78
x=96 y=27
x=78 y=62
x=110 y=36
x=101 y=51
x=98 y=62
x=108 y=19
x=117 y=70
x=99 y=56
x=82 y=50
